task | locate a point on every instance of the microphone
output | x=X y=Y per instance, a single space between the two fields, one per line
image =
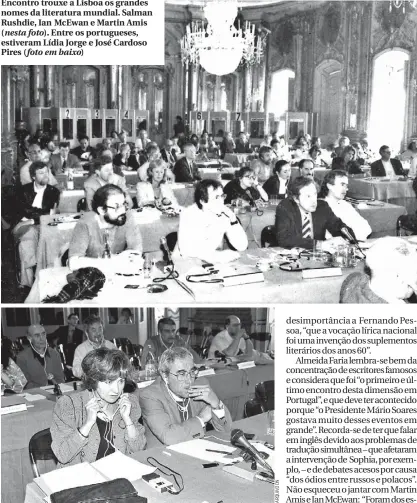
x=252 y=200
x=221 y=356
x=238 y=438
x=166 y=249
x=350 y=236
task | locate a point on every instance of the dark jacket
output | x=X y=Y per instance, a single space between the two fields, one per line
x=183 y=173
x=233 y=191
x=25 y=197
x=133 y=162
x=69 y=347
x=78 y=151
x=289 y=228
x=377 y=168
x=168 y=156
x=271 y=187
x=243 y=148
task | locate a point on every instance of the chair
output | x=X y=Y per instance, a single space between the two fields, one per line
x=265 y=394
x=268 y=236
x=82 y=205
x=172 y=239
x=40 y=449
x=252 y=408
x=407 y=225
x=261 y=341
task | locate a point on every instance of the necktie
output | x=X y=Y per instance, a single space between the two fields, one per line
x=64 y=165
x=306 y=230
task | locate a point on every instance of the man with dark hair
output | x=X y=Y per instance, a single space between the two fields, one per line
x=243 y=145
x=94 y=330
x=103 y=175
x=185 y=170
x=40 y=364
x=386 y=166
x=204 y=224
x=34 y=154
x=32 y=200
x=333 y=190
x=84 y=151
x=179 y=127
x=231 y=341
x=70 y=337
x=166 y=338
x=306 y=168
x=262 y=166
x=176 y=407
x=64 y=161
x=109 y=227
x=301 y=219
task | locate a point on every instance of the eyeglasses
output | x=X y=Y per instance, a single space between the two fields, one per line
x=118 y=207
x=183 y=374
x=221 y=196
x=250 y=177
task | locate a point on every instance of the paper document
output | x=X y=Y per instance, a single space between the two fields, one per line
x=33 y=398
x=198 y=449
x=79 y=475
x=117 y=465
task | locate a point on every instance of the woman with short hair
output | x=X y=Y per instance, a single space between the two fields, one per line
x=277 y=184
x=91 y=424
x=245 y=186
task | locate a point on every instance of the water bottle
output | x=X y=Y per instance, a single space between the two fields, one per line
x=147 y=267
x=106 y=252
x=150 y=365
x=70 y=179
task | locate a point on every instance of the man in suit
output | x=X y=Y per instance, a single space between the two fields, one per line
x=166 y=153
x=84 y=151
x=34 y=154
x=184 y=169
x=64 y=161
x=176 y=407
x=386 y=166
x=103 y=175
x=301 y=219
x=242 y=144
x=33 y=200
x=70 y=337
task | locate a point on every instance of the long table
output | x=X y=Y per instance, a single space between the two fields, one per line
x=200 y=484
x=234 y=388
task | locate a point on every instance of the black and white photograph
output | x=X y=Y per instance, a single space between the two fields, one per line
x=90 y=395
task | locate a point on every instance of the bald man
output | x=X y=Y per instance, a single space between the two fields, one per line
x=38 y=362
x=232 y=341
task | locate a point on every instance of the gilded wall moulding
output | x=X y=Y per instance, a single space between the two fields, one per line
x=393 y=29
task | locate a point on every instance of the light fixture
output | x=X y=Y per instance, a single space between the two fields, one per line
x=402 y=3
x=218 y=45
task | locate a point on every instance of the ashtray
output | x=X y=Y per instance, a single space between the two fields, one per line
x=156 y=288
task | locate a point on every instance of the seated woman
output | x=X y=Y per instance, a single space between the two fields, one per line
x=91 y=424
x=315 y=155
x=351 y=164
x=121 y=160
x=156 y=190
x=277 y=185
x=11 y=375
x=245 y=186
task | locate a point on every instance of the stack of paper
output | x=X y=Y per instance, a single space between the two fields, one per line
x=117 y=466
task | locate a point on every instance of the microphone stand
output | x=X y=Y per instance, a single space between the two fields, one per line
x=352 y=240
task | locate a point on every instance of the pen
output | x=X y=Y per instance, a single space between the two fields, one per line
x=219 y=452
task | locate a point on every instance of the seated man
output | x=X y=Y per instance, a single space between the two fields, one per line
x=94 y=330
x=34 y=154
x=167 y=338
x=103 y=175
x=386 y=166
x=64 y=161
x=70 y=337
x=166 y=153
x=185 y=170
x=333 y=190
x=301 y=219
x=176 y=407
x=391 y=275
x=204 y=224
x=232 y=341
x=306 y=168
x=108 y=227
x=263 y=165
x=242 y=144
x=39 y=363
x=84 y=151
x=227 y=146
x=33 y=200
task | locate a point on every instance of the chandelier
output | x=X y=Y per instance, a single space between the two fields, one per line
x=402 y=3
x=219 y=45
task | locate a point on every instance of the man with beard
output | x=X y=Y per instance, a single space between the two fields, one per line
x=109 y=227
x=94 y=331
x=38 y=362
x=262 y=166
x=177 y=406
x=167 y=338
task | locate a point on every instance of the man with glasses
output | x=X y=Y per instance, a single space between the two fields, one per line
x=204 y=225
x=232 y=341
x=108 y=229
x=177 y=406
x=386 y=166
x=167 y=338
x=94 y=330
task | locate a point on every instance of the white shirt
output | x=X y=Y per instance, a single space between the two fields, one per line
x=282 y=185
x=347 y=213
x=40 y=191
x=222 y=341
x=389 y=170
x=82 y=350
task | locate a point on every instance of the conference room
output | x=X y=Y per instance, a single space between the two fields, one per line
x=307 y=97
x=176 y=388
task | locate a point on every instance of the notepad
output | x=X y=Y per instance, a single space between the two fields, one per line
x=117 y=465
x=198 y=449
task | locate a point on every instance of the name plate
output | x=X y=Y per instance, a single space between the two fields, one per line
x=144 y=384
x=207 y=372
x=246 y=365
x=13 y=408
x=321 y=273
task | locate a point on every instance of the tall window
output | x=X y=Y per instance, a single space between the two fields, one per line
x=281 y=91
x=388 y=99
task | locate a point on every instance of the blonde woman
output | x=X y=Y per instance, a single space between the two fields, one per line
x=155 y=190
